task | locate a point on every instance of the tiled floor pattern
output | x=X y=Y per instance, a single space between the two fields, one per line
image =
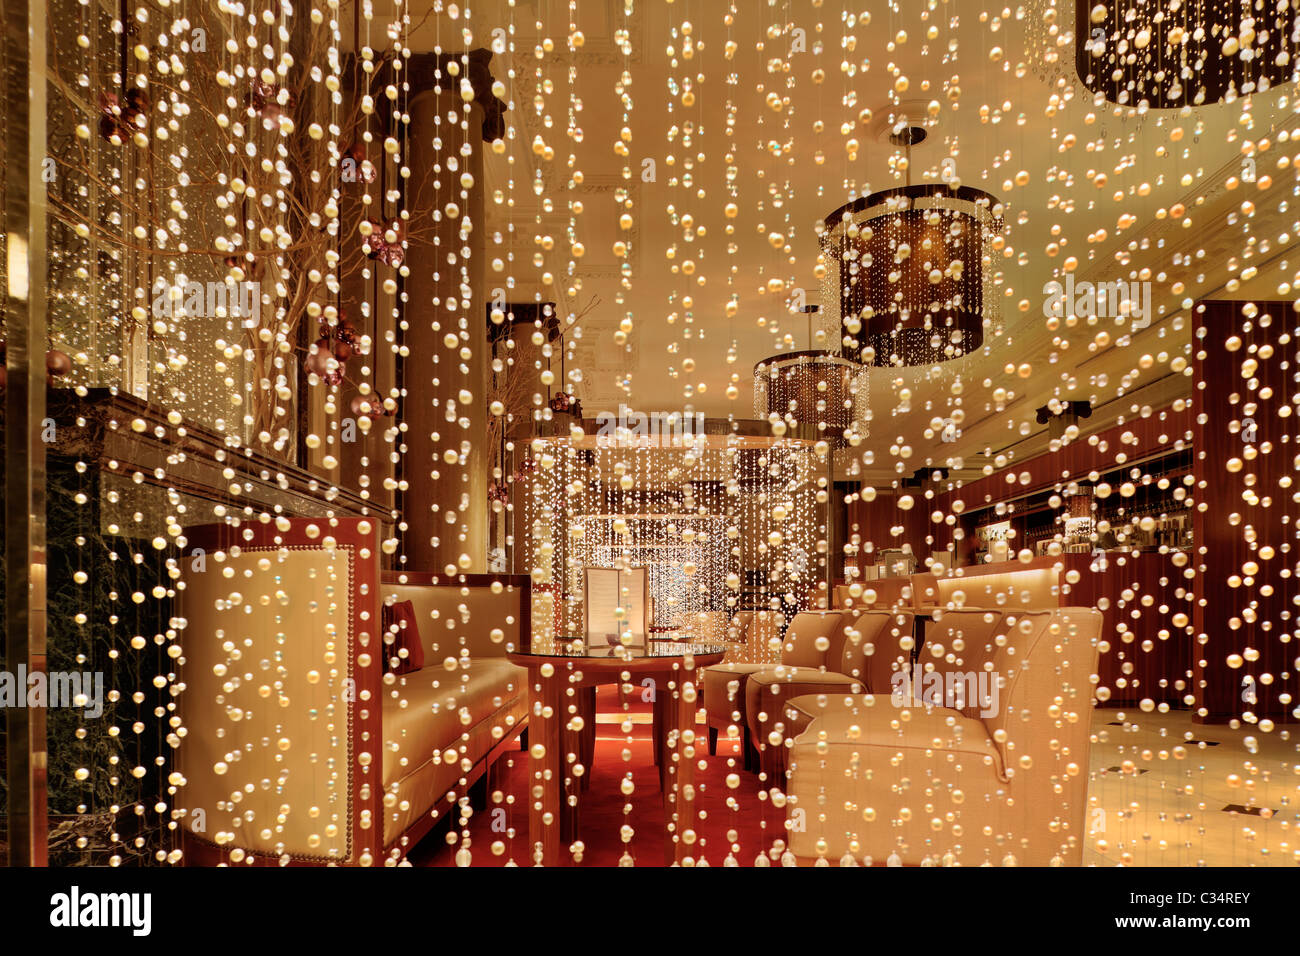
x=1169 y=792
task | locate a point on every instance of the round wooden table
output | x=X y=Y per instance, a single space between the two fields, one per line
x=562 y=681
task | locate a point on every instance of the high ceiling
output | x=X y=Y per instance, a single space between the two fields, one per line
x=1080 y=181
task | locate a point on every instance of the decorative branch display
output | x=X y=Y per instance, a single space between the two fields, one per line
x=249 y=218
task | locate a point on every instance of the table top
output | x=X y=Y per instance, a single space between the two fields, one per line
x=655 y=651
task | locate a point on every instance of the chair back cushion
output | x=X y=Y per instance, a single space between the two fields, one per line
x=872 y=649
x=814 y=637
x=957 y=646
x=1044 y=661
x=738 y=628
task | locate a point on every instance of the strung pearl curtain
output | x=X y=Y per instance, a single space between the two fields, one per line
x=912 y=273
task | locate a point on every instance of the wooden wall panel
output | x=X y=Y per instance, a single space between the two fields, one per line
x=1139 y=438
x=874 y=522
x=1245 y=514
x=1147 y=606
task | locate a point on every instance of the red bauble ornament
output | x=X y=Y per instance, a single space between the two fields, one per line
x=135 y=111
x=264 y=100
x=57 y=363
x=110 y=117
x=109 y=130
x=376 y=246
x=318 y=359
x=374 y=243
x=120 y=119
x=253 y=269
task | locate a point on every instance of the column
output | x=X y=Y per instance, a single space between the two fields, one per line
x=446 y=463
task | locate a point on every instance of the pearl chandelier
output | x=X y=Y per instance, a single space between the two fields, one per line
x=912 y=270
x=1174 y=53
x=813 y=394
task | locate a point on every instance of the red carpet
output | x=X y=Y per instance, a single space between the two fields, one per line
x=755 y=823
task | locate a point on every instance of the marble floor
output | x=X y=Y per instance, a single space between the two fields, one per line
x=1161 y=783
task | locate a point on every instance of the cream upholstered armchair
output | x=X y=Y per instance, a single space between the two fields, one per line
x=1000 y=778
x=949 y=637
x=736 y=638
x=876 y=645
x=812 y=638
x=738 y=627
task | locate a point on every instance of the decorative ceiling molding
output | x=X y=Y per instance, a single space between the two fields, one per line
x=602 y=365
x=1205 y=197
x=599 y=49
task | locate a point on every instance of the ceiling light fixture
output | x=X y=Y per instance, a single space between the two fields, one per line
x=813 y=394
x=1166 y=54
x=912 y=271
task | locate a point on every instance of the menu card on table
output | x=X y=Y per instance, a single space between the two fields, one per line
x=616 y=605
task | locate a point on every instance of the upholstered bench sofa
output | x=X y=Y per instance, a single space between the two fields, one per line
x=1000 y=777
x=315 y=725
x=450 y=718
